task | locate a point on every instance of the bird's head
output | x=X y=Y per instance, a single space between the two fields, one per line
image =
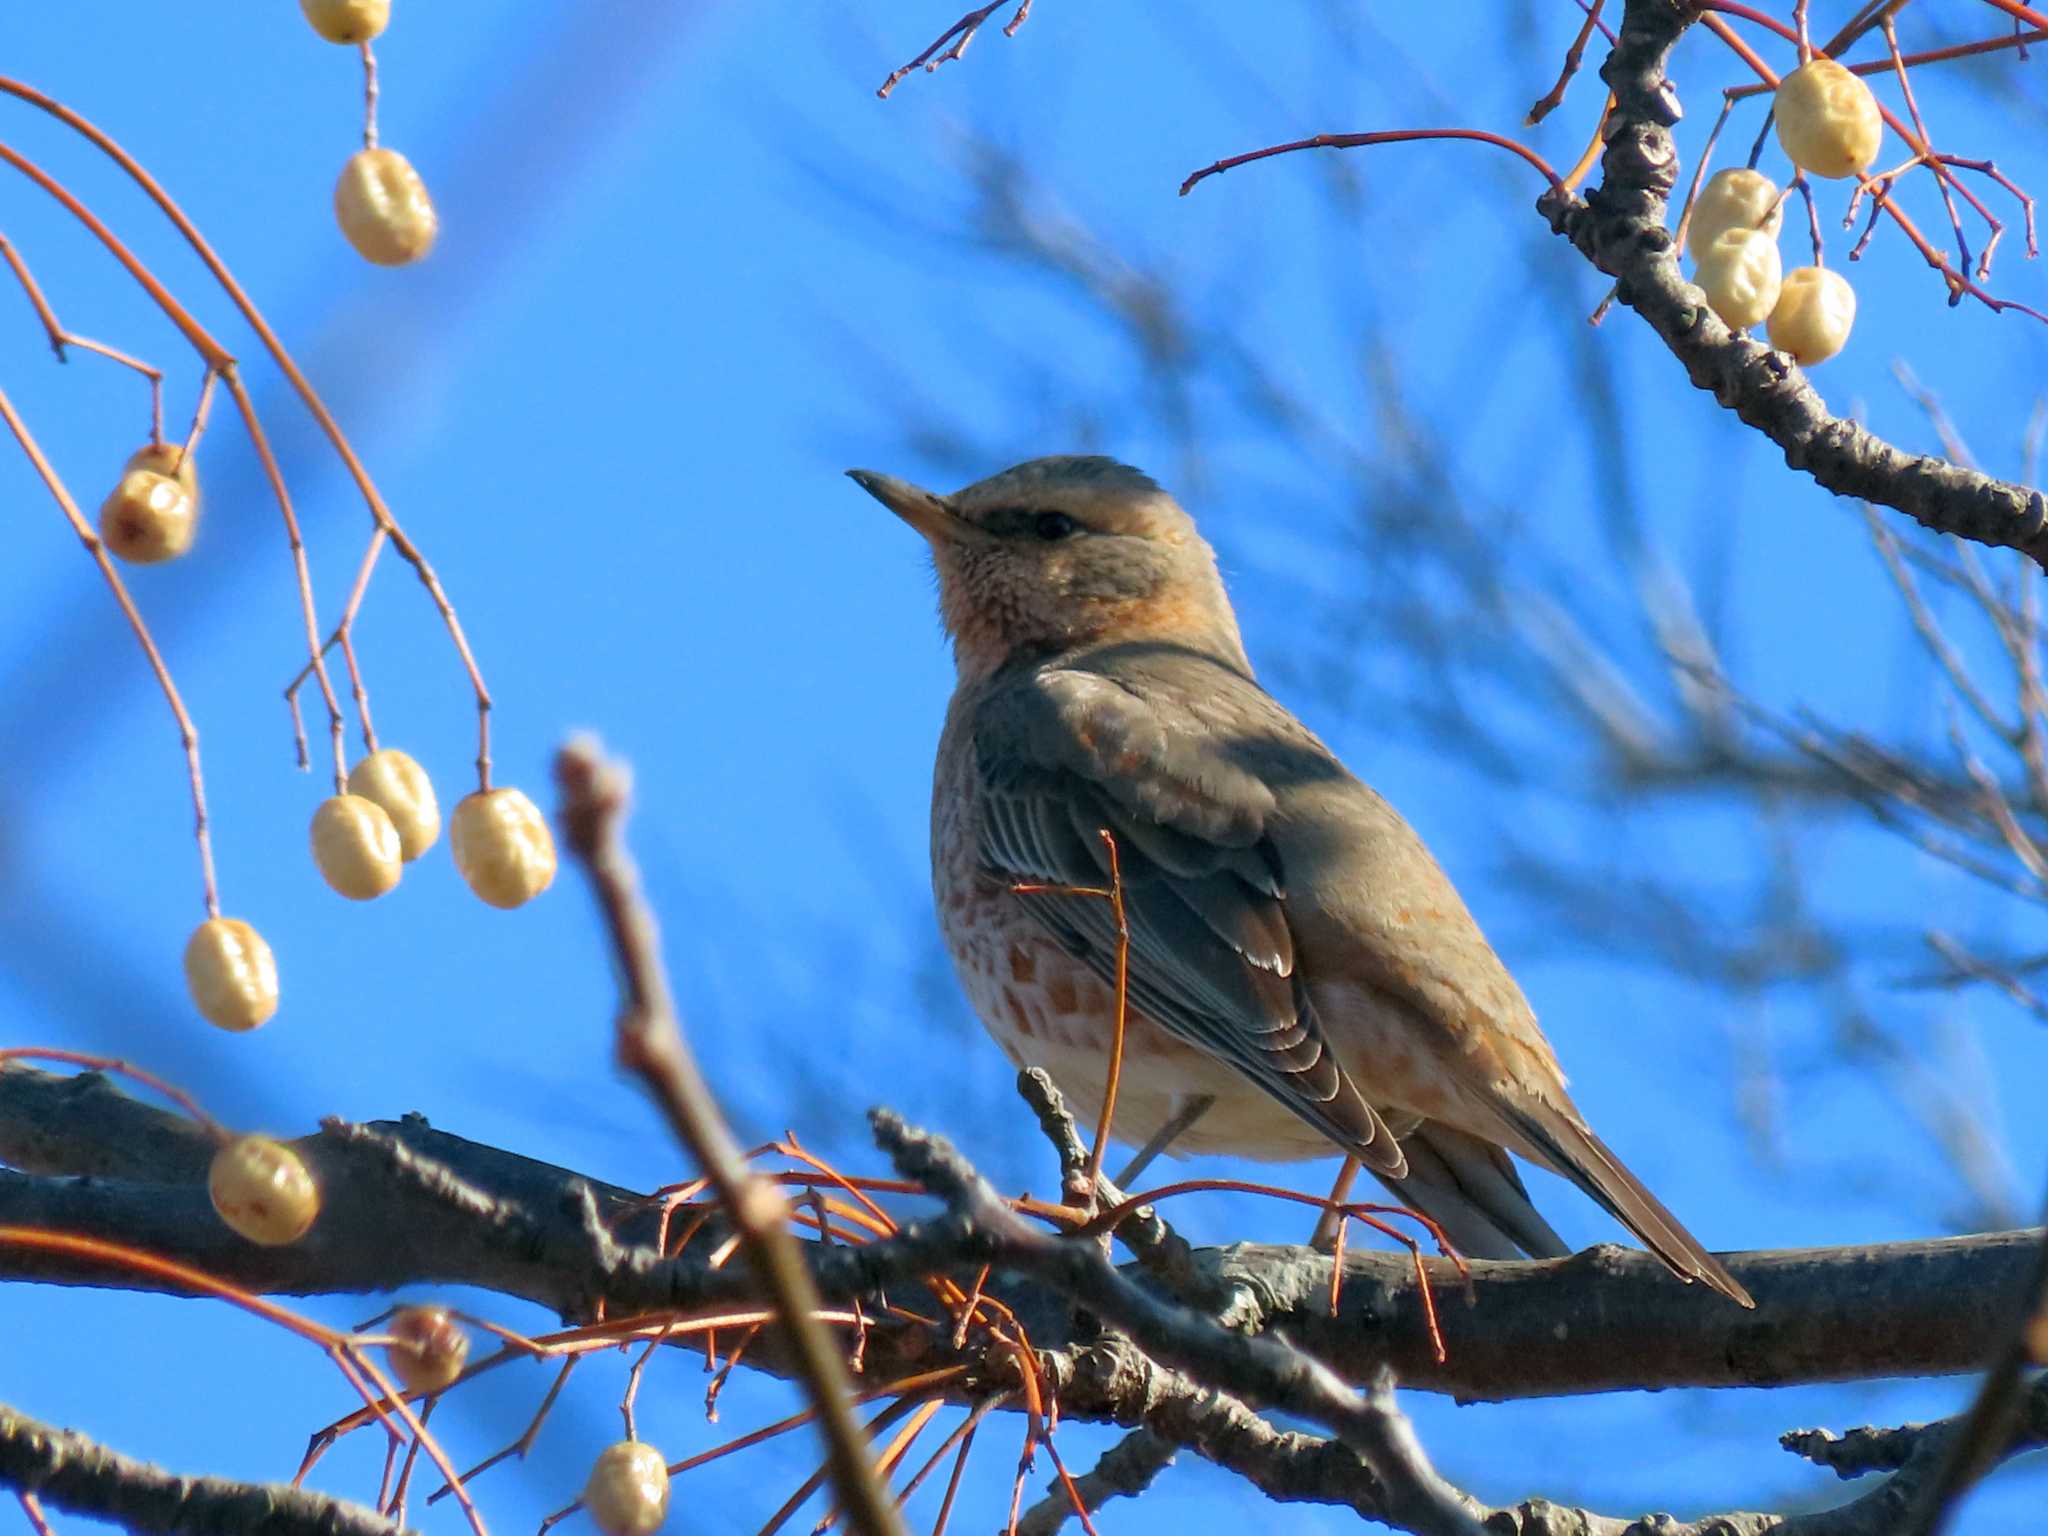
x=1061 y=552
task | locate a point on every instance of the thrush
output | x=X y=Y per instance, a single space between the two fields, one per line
x=1296 y=956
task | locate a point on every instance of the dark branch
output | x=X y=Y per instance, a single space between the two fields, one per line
x=66 y=1470
x=1608 y=1319
x=1125 y=1470
x=1263 y=1369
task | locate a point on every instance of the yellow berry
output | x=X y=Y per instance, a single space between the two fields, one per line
x=262 y=1190
x=384 y=209
x=1735 y=199
x=148 y=518
x=427 y=1350
x=1740 y=272
x=231 y=974
x=502 y=846
x=627 y=1494
x=347 y=21
x=356 y=847
x=1828 y=122
x=400 y=785
x=1814 y=312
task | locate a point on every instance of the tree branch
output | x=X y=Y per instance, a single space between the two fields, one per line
x=1263 y=1369
x=1608 y=1319
x=64 y=1468
x=1619 y=227
x=1124 y=1471
x=407 y=1204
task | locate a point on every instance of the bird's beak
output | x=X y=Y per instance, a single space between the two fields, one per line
x=929 y=514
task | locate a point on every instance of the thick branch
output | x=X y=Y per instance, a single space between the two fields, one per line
x=405 y=1203
x=63 y=1468
x=1112 y=1380
x=1609 y=1319
x=1619 y=227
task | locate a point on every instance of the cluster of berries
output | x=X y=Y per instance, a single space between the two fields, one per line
x=388 y=817
x=1829 y=125
x=361 y=842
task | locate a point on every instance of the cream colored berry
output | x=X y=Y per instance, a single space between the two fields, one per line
x=627 y=1494
x=400 y=785
x=502 y=846
x=427 y=1350
x=355 y=847
x=1815 y=310
x=148 y=518
x=262 y=1190
x=231 y=974
x=347 y=21
x=384 y=209
x=1741 y=273
x=1736 y=198
x=1828 y=122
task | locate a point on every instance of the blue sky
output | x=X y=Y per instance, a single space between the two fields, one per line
x=690 y=270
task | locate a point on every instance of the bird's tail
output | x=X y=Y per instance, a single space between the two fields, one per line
x=1469 y=1188
x=1568 y=1145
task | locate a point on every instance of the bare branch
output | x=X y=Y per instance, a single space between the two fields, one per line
x=64 y=1469
x=650 y=1042
x=1126 y=1470
x=1608 y=1319
x=1262 y=1368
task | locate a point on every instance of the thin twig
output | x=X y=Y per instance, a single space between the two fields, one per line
x=594 y=794
x=379 y=512
x=218 y=360
x=960 y=34
x=188 y=734
x=1364 y=140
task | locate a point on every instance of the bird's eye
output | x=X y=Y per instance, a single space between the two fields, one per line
x=1053 y=526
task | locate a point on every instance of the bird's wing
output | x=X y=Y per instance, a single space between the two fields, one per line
x=1065 y=754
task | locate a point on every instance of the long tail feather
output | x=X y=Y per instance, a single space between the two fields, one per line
x=1571 y=1148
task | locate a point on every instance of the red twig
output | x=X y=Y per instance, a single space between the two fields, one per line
x=379 y=512
x=2017 y=40
x=1123 y=993
x=171 y=1091
x=1573 y=57
x=219 y=360
x=60 y=338
x=188 y=734
x=32 y=1507
x=1363 y=140
x=1958 y=283
x=1942 y=178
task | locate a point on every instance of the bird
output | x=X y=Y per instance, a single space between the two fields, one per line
x=1296 y=957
